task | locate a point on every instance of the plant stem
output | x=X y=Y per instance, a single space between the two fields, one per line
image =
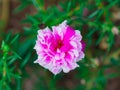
x=4 y=16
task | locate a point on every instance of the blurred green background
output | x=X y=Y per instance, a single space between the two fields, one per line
x=99 y=23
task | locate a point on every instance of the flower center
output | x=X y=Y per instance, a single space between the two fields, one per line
x=60 y=44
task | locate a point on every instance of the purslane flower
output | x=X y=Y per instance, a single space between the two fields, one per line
x=59 y=49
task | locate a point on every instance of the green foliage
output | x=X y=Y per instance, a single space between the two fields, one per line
x=8 y=68
x=92 y=17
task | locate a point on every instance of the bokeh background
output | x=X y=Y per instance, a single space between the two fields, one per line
x=99 y=23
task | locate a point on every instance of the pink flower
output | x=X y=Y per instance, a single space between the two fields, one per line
x=59 y=49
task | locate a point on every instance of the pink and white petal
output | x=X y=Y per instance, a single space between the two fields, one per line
x=69 y=33
x=81 y=56
x=56 y=70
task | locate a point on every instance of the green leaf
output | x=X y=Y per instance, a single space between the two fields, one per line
x=111 y=4
x=17 y=76
x=100 y=38
x=114 y=61
x=94 y=14
x=25 y=46
x=12 y=60
x=14 y=39
x=24 y=62
x=39 y=4
x=69 y=6
x=48 y=17
x=100 y=14
x=18 y=56
x=110 y=40
x=8 y=37
x=1 y=84
x=32 y=19
x=18 y=84
x=92 y=31
x=21 y=7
